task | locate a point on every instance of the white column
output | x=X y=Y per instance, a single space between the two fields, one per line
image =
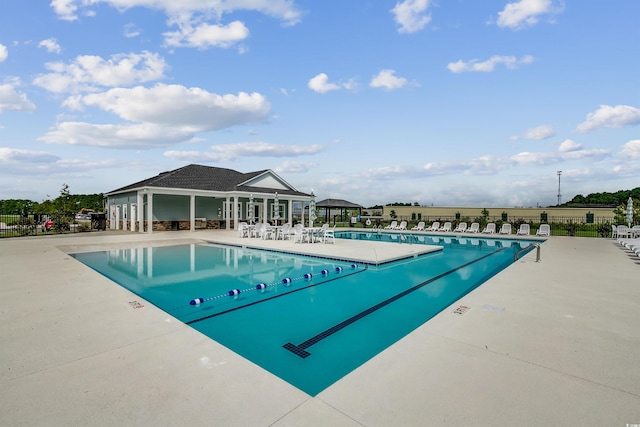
x=192 y=213
x=140 y=212
x=150 y=212
x=290 y=211
x=236 y=214
x=227 y=214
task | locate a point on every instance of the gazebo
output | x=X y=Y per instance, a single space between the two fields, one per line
x=342 y=205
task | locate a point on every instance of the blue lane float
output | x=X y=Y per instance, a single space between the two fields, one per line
x=287 y=281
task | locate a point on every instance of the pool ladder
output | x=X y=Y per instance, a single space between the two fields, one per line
x=517 y=254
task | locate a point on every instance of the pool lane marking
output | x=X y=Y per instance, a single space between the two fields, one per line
x=301 y=349
x=342 y=275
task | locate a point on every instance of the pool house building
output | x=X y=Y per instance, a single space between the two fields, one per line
x=203 y=197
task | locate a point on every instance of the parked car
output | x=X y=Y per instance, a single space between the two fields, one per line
x=48 y=225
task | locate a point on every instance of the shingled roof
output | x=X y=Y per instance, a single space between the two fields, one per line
x=208 y=178
x=337 y=203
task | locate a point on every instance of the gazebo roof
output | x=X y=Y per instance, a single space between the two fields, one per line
x=337 y=203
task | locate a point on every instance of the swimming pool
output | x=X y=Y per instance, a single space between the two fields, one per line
x=308 y=320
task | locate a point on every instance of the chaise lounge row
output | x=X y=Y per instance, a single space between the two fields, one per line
x=523 y=230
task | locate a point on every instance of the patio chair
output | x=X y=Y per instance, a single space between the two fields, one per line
x=283 y=232
x=267 y=232
x=544 y=230
x=490 y=228
x=435 y=226
x=329 y=233
x=445 y=227
x=298 y=234
x=419 y=227
x=623 y=231
x=524 y=230
x=614 y=231
x=392 y=226
x=402 y=226
x=243 y=229
x=505 y=229
x=474 y=228
x=461 y=228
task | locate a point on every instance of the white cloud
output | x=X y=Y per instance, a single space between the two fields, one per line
x=320 y=84
x=192 y=17
x=131 y=30
x=611 y=117
x=158 y=116
x=511 y=62
x=65 y=9
x=123 y=136
x=206 y=35
x=230 y=152
x=526 y=13
x=411 y=15
x=569 y=145
x=12 y=100
x=537 y=133
x=87 y=72
x=4 y=53
x=176 y=105
x=294 y=167
x=387 y=80
x=10 y=155
x=631 y=150
x=51 y=45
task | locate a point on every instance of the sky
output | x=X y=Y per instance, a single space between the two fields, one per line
x=444 y=103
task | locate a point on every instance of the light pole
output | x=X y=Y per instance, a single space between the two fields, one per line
x=559 y=195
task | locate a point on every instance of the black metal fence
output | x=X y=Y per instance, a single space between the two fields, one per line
x=36 y=224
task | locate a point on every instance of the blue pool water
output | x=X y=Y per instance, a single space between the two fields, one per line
x=309 y=331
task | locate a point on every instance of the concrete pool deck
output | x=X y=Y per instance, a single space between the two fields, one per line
x=549 y=343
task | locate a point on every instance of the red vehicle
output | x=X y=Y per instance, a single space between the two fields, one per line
x=48 y=225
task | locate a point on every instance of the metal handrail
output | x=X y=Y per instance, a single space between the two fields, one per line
x=516 y=255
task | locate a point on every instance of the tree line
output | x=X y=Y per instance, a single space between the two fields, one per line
x=603 y=199
x=65 y=203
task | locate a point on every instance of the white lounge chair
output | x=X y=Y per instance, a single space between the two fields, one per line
x=544 y=230
x=402 y=226
x=419 y=227
x=505 y=229
x=392 y=226
x=461 y=228
x=523 y=230
x=446 y=226
x=614 y=231
x=490 y=228
x=474 y=228
x=435 y=226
